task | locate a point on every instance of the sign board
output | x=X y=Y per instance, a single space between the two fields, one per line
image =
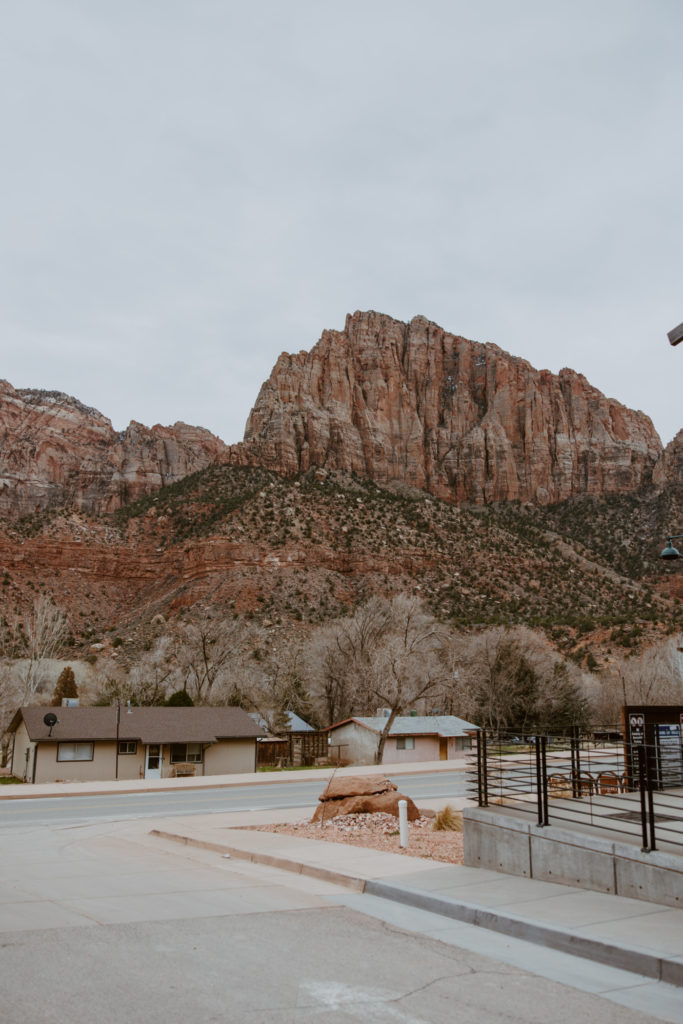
x=636 y=724
x=669 y=753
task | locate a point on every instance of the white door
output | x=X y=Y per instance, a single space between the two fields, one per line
x=153 y=762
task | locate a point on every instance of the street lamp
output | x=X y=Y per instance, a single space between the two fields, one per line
x=670 y=553
x=676 y=336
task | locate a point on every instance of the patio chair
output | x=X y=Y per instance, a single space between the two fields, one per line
x=586 y=783
x=610 y=782
x=559 y=785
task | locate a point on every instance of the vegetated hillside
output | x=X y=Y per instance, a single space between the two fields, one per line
x=624 y=531
x=293 y=553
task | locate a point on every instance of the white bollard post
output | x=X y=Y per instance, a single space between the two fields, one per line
x=403 y=823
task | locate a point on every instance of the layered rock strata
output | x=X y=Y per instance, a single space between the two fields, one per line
x=463 y=420
x=55 y=451
x=669 y=469
x=395 y=402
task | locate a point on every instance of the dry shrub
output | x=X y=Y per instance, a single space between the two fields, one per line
x=448 y=820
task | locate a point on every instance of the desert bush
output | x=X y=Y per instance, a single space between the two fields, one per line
x=448 y=820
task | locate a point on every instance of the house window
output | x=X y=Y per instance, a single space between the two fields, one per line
x=405 y=743
x=186 y=753
x=75 y=751
x=128 y=746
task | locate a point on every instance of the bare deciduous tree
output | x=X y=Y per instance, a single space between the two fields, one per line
x=520 y=684
x=208 y=646
x=43 y=632
x=271 y=684
x=150 y=679
x=387 y=654
x=10 y=693
x=406 y=665
x=656 y=677
x=341 y=656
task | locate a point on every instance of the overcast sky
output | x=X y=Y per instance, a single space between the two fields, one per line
x=190 y=187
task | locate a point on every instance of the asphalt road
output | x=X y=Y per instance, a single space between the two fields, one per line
x=107 y=924
x=114 y=807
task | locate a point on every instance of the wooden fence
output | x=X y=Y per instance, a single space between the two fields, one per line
x=292 y=750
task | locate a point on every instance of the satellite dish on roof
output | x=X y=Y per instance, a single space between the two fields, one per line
x=50 y=720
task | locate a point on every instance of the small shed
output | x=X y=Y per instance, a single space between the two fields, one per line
x=300 y=744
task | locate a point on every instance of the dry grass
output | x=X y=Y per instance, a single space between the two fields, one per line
x=448 y=820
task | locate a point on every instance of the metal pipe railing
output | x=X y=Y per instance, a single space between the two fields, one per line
x=617 y=786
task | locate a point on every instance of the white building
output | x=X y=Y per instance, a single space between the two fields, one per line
x=411 y=738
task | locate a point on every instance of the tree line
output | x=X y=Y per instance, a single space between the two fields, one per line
x=389 y=654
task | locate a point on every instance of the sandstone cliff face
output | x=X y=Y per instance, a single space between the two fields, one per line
x=460 y=419
x=669 y=469
x=387 y=400
x=55 y=451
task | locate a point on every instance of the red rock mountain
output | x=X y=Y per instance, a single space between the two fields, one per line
x=55 y=451
x=390 y=401
x=460 y=419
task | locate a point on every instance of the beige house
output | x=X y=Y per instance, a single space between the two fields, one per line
x=411 y=738
x=99 y=744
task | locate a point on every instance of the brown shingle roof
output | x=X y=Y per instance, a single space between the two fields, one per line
x=148 y=725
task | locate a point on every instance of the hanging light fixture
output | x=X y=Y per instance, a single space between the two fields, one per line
x=670 y=552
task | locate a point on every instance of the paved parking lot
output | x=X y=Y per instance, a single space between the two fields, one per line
x=108 y=923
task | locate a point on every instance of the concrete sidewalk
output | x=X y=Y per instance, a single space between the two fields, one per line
x=635 y=936
x=28 y=791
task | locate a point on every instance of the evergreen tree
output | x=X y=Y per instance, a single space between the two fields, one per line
x=66 y=686
x=180 y=699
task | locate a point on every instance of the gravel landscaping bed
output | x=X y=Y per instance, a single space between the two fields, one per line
x=379 y=832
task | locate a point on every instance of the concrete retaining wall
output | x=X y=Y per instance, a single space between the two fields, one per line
x=499 y=841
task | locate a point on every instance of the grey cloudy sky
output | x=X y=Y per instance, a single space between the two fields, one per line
x=190 y=187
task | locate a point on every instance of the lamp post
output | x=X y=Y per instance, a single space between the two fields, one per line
x=670 y=552
x=676 y=336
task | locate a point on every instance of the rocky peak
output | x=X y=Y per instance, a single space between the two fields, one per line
x=38 y=397
x=56 y=451
x=405 y=403
x=461 y=419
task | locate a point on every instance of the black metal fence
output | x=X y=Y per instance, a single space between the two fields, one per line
x=634 y=789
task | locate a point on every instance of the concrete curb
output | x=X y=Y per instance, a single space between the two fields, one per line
x=635 y=961
x=626 y=959
x=269 y=860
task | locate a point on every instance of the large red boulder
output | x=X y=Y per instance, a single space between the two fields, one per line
x=356 y=785
x=361 y=794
